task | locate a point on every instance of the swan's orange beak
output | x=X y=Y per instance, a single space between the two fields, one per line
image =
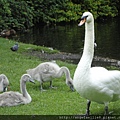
x=82 y=22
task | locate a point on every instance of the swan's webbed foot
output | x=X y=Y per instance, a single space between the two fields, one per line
x=87 y=113
x=107 y=112
x=110 y=113
x=41 y=88
x=53 y=87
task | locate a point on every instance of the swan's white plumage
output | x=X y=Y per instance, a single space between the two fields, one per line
x=95 y=83
x=46 y=71
x=12 y=98
x=4 y=82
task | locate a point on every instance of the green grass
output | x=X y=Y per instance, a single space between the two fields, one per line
x=60 y=101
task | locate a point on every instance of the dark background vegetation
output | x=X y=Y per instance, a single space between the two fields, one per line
x=23 y=14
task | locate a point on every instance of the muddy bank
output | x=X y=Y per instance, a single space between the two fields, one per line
x=74 y=58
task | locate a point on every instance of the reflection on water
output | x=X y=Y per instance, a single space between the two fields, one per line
x=108 y=39
x=67 y=38
x=70 y=37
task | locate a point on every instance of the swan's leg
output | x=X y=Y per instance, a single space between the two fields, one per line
x=51 y=85
x=106 y=110
x=41 y=88
x=88 y=107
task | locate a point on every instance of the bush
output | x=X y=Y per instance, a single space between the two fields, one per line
x=24 y=14
x=15 y=14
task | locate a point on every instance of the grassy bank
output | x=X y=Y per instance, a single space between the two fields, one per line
x=60 y=101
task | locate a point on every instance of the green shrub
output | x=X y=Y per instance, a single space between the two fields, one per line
x=24 y=14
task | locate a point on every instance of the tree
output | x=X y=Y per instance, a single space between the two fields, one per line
x=24 y=14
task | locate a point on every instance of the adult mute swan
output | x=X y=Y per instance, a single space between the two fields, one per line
x=15 y=98
x=94 y=83
x=4 y=82
x=46 y=71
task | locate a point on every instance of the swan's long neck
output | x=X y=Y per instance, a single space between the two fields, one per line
x=24 y=90
x=88 y=51
x=83 y=68
x=64 y=70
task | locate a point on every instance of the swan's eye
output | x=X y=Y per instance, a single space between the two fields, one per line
x=84 y=17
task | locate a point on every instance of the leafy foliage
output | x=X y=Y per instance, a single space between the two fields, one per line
x=15 y=14
x=24 y=14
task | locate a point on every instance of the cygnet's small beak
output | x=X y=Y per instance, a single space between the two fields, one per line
x=72 y=88
x=31 y=80
x=4 y=89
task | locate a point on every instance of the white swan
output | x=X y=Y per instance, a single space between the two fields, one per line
x=15 y=98
x=97 y=83
x=47 y=71
x=4 y=82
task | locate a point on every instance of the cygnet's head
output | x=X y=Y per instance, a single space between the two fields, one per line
x=4 y=82
x=70 y=84
x=27 y=77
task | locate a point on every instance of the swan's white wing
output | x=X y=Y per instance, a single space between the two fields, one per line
x=50 y=68
x=49 y=71
x=103 y=85
x=11 y=99
x=113 y=81
x=106 y=81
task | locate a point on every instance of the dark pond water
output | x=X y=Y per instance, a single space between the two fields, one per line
x=70 y=37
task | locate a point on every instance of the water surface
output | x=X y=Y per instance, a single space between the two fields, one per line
x=70 y=37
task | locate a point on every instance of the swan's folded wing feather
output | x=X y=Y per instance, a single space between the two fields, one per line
x=114 y=81
x=49 y=71
x=106 y=79
x=11 y=99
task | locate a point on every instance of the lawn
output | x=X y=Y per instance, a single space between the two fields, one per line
x=60 y=101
